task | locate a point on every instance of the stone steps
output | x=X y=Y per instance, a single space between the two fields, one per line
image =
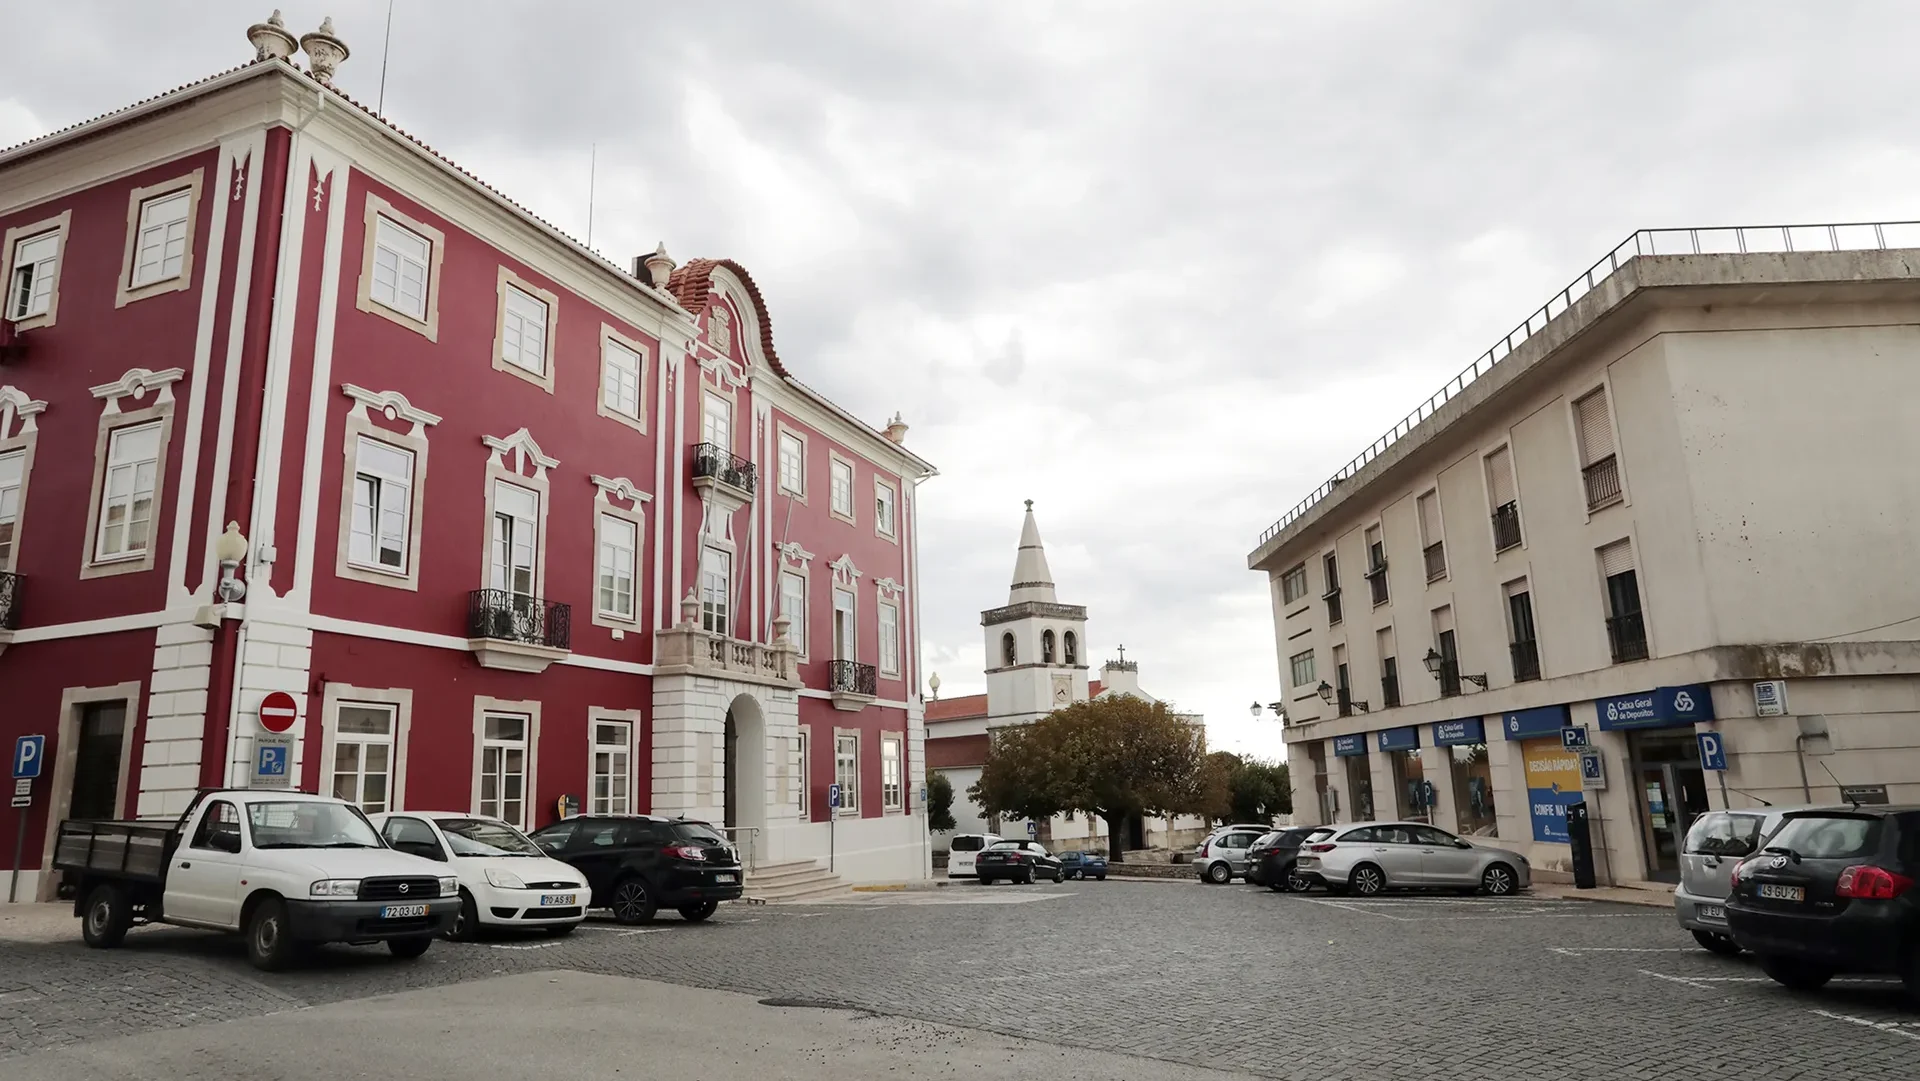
x=791 y=881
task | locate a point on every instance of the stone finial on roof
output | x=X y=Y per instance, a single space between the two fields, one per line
x=325 y=52
x=659 y=266
x=897 y=429
x=270 y=39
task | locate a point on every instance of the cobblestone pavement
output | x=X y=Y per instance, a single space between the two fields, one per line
x=1231 y=977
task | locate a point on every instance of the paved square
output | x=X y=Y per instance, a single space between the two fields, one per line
x=1234 y=978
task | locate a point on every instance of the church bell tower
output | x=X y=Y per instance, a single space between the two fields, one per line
x=1036 y=646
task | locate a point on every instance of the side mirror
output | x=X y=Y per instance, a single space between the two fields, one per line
x=225 y=842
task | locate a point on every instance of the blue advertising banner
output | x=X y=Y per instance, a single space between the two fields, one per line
x=1456 y=733
x=1662 y=707
x=1399 y=739
x=1349 y=746
x=1543 y=721
x=1553 y=782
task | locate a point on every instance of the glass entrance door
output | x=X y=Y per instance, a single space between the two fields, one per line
x=1670 y=791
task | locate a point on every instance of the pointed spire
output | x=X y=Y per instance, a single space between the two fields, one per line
x=1032 y=578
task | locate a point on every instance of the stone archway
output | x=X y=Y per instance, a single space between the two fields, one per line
x=746 y=775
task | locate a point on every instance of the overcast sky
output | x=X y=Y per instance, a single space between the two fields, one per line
x=1160 y=268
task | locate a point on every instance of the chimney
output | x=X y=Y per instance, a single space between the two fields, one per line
x=324 y=51
x=270 y=39
x=657 y=267
x=897 y=429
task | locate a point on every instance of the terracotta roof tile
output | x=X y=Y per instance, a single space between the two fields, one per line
x=953 y=709
x=692 y=286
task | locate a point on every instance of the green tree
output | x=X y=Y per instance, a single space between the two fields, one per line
x=1110 y=758
x=1236 y=789
x=940 y=803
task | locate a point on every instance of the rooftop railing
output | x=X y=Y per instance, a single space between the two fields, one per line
x=1732 y=240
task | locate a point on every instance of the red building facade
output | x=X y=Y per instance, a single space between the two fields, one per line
x=288 y=402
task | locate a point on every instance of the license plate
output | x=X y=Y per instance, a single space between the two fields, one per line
x=1782 y=893
x=401 y=912
x=724 y=878
x=559 y=900
x=1712 y=912
x=1307 y=861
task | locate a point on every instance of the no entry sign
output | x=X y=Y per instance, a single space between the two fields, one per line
x=278 y=711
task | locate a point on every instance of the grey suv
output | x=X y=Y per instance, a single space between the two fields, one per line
x=1716 y=842
x=1222 y=857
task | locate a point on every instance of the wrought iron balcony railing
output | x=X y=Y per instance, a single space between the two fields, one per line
x=1526 y=660
x=1389 y=690
x=1449 y=679
x=852 y=677
x=712 y=462
x=11 y=586
x=1436 y=555
x=1506 y=526
x=1603 y=482
x=1334 y=615
x=1627 y=635
x=505 y=616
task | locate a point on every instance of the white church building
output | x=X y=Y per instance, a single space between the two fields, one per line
x=1036 y=663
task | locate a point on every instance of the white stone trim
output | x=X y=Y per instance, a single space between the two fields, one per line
x=635 y=720
x=135 y=384
x=619 y=487
x=15 y=404
x=112 y=420
x=252 y=147
x=358 y=426
x=390 y=403
x=401 y=699
x=377 y=208
x=791 y=552
x=844 y=572
x=60 y=223
x=521 y=445
x=66 y=751
x=610 y=336
x=505 y=279
x=528 y=708
x=190 y=183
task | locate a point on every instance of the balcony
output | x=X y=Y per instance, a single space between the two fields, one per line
x=1389 y=690
x=854 y=685
x=724 y=473
x=1377 y=578
x=1603 y=482
x=1343 y=701
x=1627 y=635
x=689 y=649
x=1436 y=556
x=1506 y=526
x=1332 y=598
x=515 y=632
x=11 y=586
x=1526 y=660
x=1449 y=676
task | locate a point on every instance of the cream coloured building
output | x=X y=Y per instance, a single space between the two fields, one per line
x=1679 y=500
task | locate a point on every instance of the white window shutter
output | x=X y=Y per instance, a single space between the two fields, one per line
x=1500 y=477
x=1595 y=431
x=1616 y=558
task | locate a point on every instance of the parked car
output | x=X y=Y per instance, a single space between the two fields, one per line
x=1270 y=860
x=636 y=865
x=1368 y=858
x=1832 y=893
x=964 y=849
x=1083 y=865
x=1017 y=861
x=505 y=879
x=1222 y=857
x=287 y=869
x=1716 y=841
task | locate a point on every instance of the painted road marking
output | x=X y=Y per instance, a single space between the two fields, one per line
x=1572 y=912
x=1574 y=951
x=1908 y=1029
x=1700 y=982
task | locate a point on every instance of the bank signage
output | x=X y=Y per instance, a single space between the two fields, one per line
x=1457 y=733
x=1399 y=739
x=1349 y=746
x=1662 y=707
x=1554 y=780
x=1544 y=722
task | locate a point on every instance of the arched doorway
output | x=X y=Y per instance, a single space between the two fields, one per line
x=745 y=804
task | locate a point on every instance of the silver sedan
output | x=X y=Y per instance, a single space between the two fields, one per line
x=1368 y=858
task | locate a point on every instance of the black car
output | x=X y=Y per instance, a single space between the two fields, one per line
x=638 y=864
x=1833 y=892
x=1016 y=861
x=1270 y=860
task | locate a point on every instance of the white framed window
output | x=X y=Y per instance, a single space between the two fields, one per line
x=844 y=639
x=402 y=260
x=523 y=330
x=12 y=477
x=516 y=539
x=623 y=369
x=502 y=792
x=793 y=605
x=382 y=507
x=716 y=421
x=363 y=755
x=846 y=771
x=35 y=268
x=716 y=590
x=884 y=518
x=892 y=790
x=126 y=495
x=840 y=487
x=793 y=464
x=806 y=770
x=1293 y=584
x=612 y=791
x=889 y=638
x=160 y=247
x=619 y=551
x=1302 y=665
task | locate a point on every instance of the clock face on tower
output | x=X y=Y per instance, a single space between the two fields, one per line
x=1062 y=690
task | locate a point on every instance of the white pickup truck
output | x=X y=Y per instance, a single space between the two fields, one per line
x=287 y=869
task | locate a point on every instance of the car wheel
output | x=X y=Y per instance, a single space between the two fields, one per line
x=1298 y=883
x=1219 y=874
x=1367 y=880
x=985 y=880
x=633 y=903
x=561 y=930
x=699 y=912
x=1796 y=975
x=1026 y=879
x=466 y=926
x=1100 y=878
x=270 y=944
x=406 y=949
x=1058 y=877
x=1724 y=945
x=107 y=917
x=1499 y=880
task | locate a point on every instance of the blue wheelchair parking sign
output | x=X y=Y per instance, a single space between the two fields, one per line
x=1713 y=751
x=272 y=762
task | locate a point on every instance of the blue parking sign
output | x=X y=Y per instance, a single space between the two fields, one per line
x=1713 y=751
x=273 y=762
x=833 y=796
x=27 y=753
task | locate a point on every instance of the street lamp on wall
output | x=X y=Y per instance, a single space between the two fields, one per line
x=230 y=551
x=1279 y=710
x=1434 y=660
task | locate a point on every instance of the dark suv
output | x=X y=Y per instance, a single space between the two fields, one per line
x=1835 y=891
x=638 y=864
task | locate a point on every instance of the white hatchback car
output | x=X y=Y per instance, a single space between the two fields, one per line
x=505 y=879
x=1369 y=857
x=964 y=849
